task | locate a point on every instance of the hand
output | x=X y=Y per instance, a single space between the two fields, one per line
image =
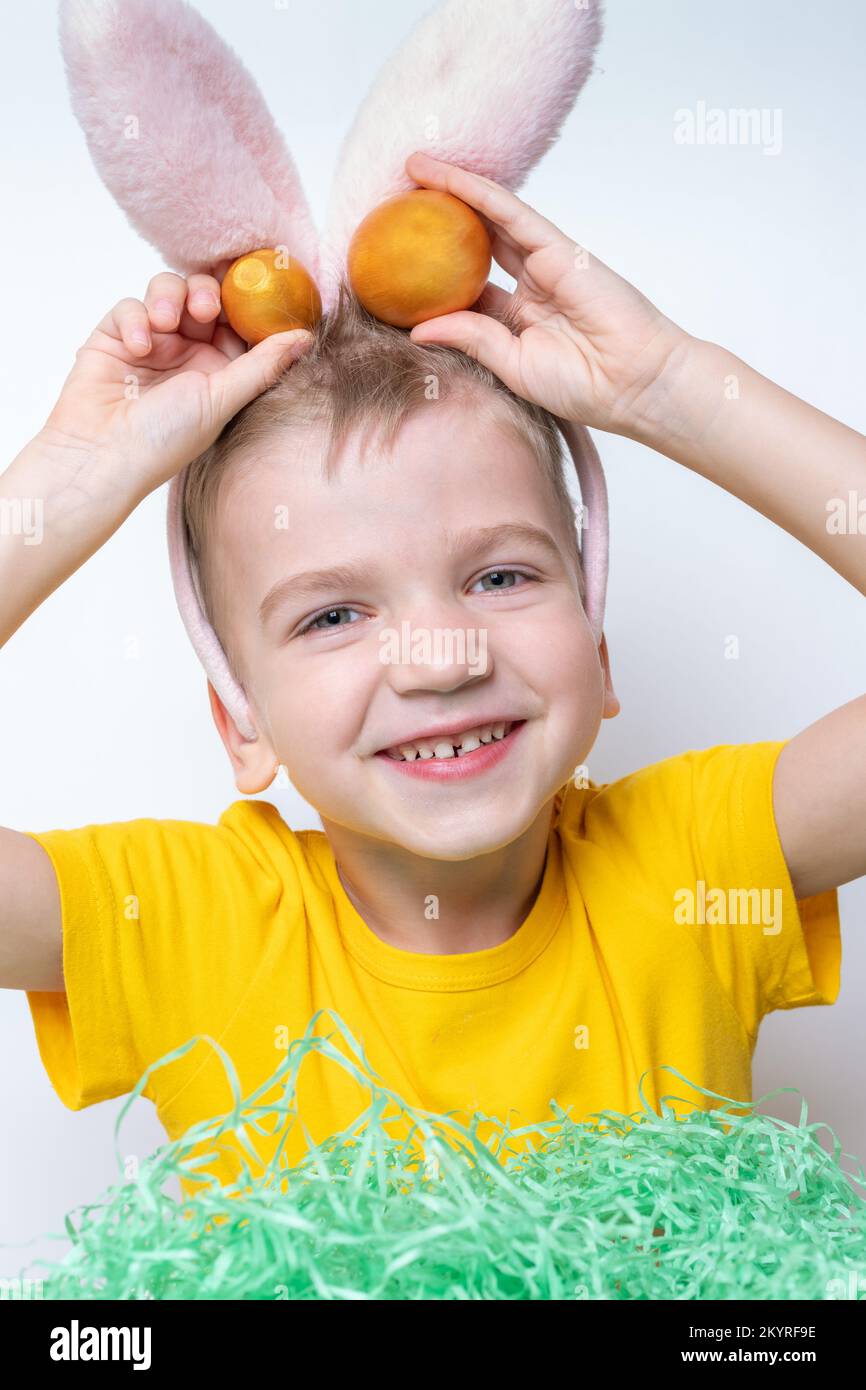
x=588 y=346
x=156 y=381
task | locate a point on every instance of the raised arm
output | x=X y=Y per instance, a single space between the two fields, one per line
x=151 y=388
x=578 y=339
x=807 y=472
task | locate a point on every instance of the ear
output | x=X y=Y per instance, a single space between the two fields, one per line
x=485 y=85
x=612 y=705
x=181 y=135
x=254 y=763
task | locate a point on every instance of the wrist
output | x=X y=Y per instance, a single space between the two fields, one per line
x=75 y=471
x=676 y=413
x=80 y=497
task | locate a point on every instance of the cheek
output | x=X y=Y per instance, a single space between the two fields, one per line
x=313 y=704
x=559 y=658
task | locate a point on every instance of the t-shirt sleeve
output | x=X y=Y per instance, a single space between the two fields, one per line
x=696 y=842
x=772 y=949
x=159 y=942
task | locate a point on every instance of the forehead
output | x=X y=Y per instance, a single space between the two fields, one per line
x=451 y=466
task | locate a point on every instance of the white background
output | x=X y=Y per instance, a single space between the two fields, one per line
x=761 y=253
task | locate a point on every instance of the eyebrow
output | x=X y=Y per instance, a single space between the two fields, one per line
x=470 y=542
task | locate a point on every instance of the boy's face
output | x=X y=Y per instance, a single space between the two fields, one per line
x=422 y=639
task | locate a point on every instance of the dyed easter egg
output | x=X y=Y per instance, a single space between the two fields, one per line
x=267 y=291
x=417 y=255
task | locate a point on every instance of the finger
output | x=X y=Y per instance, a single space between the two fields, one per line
x=128 y=321
x=201 y=313
x=228 y=341
x=194 y=329
x=203 y=298
x=497 y=233
x=253 y=372
x=478 y=335
x=527 y=227
x=506 y=254
x=164 y=299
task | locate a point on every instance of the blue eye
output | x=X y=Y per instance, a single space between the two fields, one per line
x=503 y=575
x=322 y=622
x=327 y=614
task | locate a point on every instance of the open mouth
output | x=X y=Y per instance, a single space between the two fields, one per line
x=467 y=744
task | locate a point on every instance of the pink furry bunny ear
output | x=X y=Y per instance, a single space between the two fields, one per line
x=485 y=84
x=181 y=135
x=182 y=138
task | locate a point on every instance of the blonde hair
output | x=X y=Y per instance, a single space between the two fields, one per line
x=359 y=372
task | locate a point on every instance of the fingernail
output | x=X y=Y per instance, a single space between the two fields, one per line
x=140 y=338
x=166 y=308
x=203 y=301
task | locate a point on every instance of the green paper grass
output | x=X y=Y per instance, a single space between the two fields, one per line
x=724 y=1203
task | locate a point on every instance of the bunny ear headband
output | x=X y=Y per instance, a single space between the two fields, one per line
x=208 y=177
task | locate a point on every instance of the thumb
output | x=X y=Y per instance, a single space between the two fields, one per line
x=246 y=376
x=478 y=335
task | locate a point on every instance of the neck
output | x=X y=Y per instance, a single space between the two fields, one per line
x=442 y=907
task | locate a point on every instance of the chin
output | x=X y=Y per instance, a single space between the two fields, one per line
x=459 y=841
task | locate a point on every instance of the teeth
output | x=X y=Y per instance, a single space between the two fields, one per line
x=445 y=748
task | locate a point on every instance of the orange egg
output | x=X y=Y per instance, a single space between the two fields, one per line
x=267 y=292
x=419 y=254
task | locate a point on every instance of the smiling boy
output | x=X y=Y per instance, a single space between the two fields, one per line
x=496 y=934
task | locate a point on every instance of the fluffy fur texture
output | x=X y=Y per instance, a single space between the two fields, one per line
x=485 y=84
x=181 y=135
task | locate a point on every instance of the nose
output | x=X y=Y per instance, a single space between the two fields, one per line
x=434 y=656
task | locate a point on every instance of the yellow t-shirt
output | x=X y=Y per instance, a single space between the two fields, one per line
x=644 y=948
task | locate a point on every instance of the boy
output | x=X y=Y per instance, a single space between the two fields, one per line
x=494 y=934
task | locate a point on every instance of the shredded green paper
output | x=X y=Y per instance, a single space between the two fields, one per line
x=721 y=1203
